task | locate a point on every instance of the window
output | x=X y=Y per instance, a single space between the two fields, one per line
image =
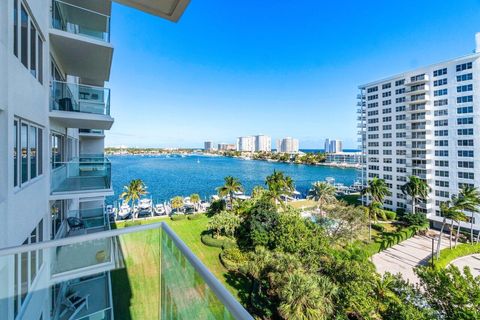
x=468 y=109
x=33 y=50
x=372 y=113
x=468 y=120
x=465 y=153
x=442 y=183
x=441 y=163
x=462 y=185
x=464 y=66
x=387 y=110
x=400 y=126
x=466 y=175
x=24 y=36
x=441 y=123
x=399 y=82
x=27 y=140
x=58 y=149
x=387 y=127
x=465 y=132
x=465 y=164
x=464 y=77
x=440 y=92
x=372 y=89
x=386 y=85
x=441 y=153
x=401 y=134
x=400 y=108
x=372 y=105
x=440 y=82
x=372 y=97
x=465 y=88
x=441 y=173
x=401 y=143
x=400 y=91
x=441 y=193
x=386 y=102
x=464 y=99
x=15 y=28
x=465 y=143
x=400 y=100
x=439 y=103
x=400 y=161
x=439 y=113
x=441 y=143
x=441 y=133
x=387 y=119
x=40 y=60
x=386 y=94
x=387 y=136
x=439 y=72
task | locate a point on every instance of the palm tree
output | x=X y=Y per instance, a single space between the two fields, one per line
x=469 y=200
x=231 y=186
x=258 y=191
x=177 y=202
x=195 y=199
x=458 y=216
x=279 y=186
x=417 y=189
x=322 y=192
x=448 y=211
x=377 y=189
x=372 y=211
x=133 y=192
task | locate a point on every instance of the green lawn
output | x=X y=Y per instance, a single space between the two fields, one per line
x=136 y=288
x=448 y=255
x=303 y=204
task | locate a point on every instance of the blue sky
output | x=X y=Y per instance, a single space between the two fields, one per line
x=281 y=68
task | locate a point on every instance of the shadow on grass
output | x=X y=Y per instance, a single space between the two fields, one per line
x=121 y=294
x=242 y=284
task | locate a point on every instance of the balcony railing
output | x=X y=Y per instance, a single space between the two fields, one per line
x=79 y=98
x=77 y=20
x=84 y=174
x=145 y=272
x=91 y=131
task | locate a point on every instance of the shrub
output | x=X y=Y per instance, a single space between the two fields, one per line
x=177 y=217
x=232 y=258
x=132 y=223
x=194 y=216
x=415 y=219
x=216 y=207
x=209 y=240
x=391 y=215
x=378 y=227
x=381 y=215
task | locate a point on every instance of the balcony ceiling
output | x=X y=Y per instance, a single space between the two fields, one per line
x=168 y=9
x=88 y=59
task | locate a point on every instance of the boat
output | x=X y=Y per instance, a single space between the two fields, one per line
x=330 y=180
x=144 y=207
x=124 y=212
x=159 y=209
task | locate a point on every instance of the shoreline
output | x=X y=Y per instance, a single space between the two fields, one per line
x=328 y=164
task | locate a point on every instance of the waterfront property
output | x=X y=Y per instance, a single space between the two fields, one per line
x=422 y=123
x=287 y=145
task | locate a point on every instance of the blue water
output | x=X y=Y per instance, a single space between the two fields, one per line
x=166 y=177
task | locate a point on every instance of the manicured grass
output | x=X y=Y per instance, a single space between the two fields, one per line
x=303 y=204
x=448 y=255
x=136 y=288
x=350 y=199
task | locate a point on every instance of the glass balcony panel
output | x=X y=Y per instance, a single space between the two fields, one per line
x=79 y=98
x=142 y=272
x=78 y=175
x=81 y=21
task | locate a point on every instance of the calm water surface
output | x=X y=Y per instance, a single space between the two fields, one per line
x=167 y=177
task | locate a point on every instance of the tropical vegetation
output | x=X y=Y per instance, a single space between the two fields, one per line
x=133 y=191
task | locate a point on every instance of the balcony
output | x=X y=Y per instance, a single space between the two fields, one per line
x=91 y=133
x=80 y=106
x=80 y=39
x=418 y=89
x=421 y=98
x=84 y=177
x=178 y=285
x=423 y=78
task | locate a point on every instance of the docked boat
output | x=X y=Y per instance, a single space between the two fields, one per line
x=144 y=207
x=124 y=212
x=160 y=209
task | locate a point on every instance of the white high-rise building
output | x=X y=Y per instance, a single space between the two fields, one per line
x=424 y=122
x=333 y=146
x=246 y=144
x=55 y=60
x=287 y=145
x=263 y=143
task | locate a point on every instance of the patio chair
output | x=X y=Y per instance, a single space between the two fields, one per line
x=75 y=223
x=73 y=303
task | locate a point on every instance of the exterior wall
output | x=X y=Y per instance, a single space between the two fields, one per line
x=401 y=137
x=246 y=144
x=263 y=143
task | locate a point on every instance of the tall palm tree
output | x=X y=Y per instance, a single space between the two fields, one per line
x=279 y=186
x=416 y=188
x=372 y=211
x=133 y=192
x=458 y=216
x=195 y=199
x=231 y=186
x=469 y=200
x=322 y=192
x=448 y=211
x=177 y=203
x=377 y=189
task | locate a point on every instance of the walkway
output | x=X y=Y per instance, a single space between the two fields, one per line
x=473 y=261
x=405 y=256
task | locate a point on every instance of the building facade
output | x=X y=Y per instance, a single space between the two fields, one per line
x=288 y=145
x=246 y=144
x=55 y=58
x=423 y=123
x=333 y=146
x=263 y=143
x=208 y=146
x=227 y=147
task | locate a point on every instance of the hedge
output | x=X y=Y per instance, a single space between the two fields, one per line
x=378 y=227
x=448 y=255
x=232 y=258
x=389 y=239
x=194 y=216
x=224 y=243
x=177 y=217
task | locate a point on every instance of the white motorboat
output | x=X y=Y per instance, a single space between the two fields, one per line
x=159 y=209
x=125 y=211
x=145 y=204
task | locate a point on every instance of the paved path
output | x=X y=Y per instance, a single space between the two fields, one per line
x=405 y=256
x=473 y=261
